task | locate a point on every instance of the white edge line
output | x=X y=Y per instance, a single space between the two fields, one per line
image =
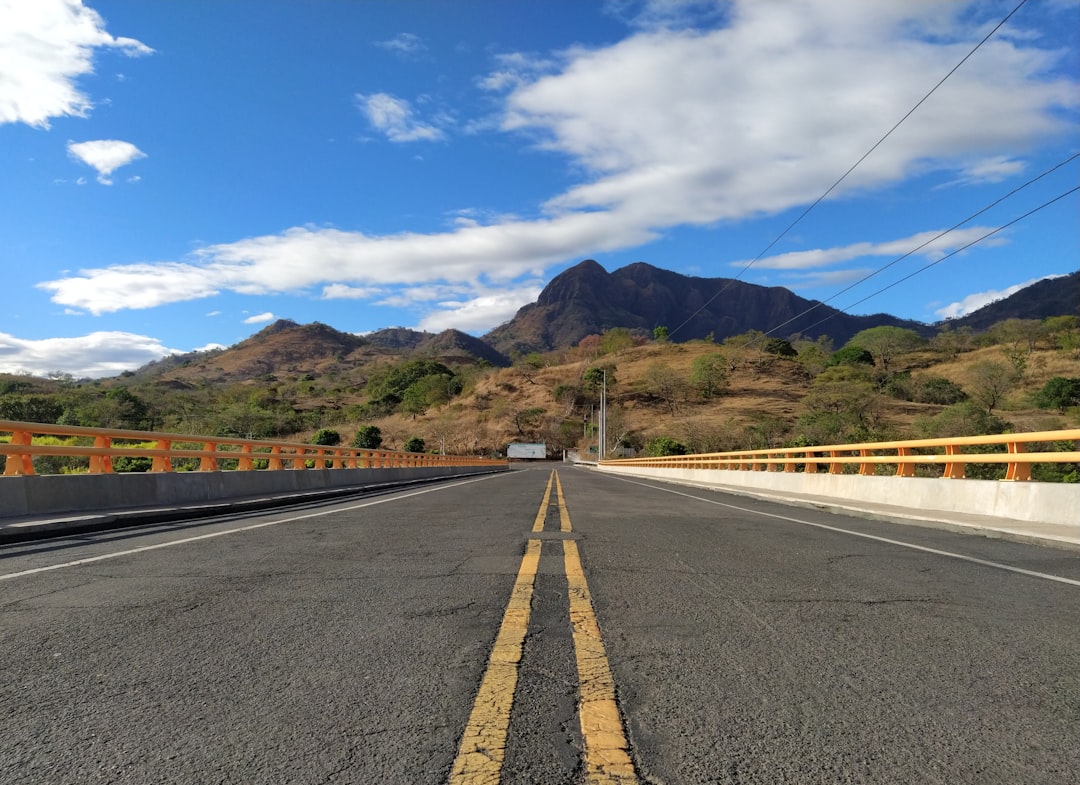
x=951 y=555
x=103 y=557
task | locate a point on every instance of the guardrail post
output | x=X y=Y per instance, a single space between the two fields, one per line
x=162 y=463
x=275 y=463
x=21 y=463
x=1017 y=471
x=243 y=463
x=954 y=470
x=835 y=468
x=866 y=468
x=208 y=463
x=101 y=464
x=904 y=469
x=810 y=464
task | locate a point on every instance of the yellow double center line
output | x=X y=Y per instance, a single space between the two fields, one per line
x=483 y=745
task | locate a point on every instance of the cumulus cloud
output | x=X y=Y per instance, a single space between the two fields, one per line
x=45 y=45
x=98 y=354
x=395 y=118
x=479 y=313
x=303 y=257
x=260 y=318
x=672 y=126
x=974 y=302
x=106 y=155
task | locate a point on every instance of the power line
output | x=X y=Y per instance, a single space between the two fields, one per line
x=936 y=262
x=844 y=176
x=919 y=247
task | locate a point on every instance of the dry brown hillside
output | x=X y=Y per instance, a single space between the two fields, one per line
x=652 y=396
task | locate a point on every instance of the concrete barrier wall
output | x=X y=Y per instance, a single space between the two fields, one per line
x=1021 y=501
x=82 y=493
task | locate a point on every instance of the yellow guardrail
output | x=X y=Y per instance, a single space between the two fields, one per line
x=906 y=455
x=213 y=453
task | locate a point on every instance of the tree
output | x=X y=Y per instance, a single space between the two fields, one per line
x=952 y=342
x=936 y=389
x=615 y=340
x=886 y=342
x=814 y=355
x=990 y=382
x=529 y=421
x=780 y=347
x=414 y=444
x=368 y=437
x=663 y=382
x=851 y=355
x=709 y=375
x=664 y=445
x=960 y=419
x=660 y=333
x=841 y=405
x=326 y=437
x=1059 y=393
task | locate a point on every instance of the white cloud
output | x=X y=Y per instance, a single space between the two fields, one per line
x=671 y=127
x=260 y=318
x=301 y=258
x=825 y=278
x=106 y=155
x=340 y=291
x=762 y=115
x=395 y=118
x=45 y=45
x=928 y=247
x=404 y=44
x=95 y=355
x=974 y=302
x=480 y=313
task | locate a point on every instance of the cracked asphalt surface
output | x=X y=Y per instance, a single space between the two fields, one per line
x=345 y=644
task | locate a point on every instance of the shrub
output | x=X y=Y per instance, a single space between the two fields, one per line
x=851 y=355
x=936 y=389
x=132 y=463
x=780 y=347
x=664 y=445
x=1059 y=393
x=368 y=437
x=326 y=437
x=415 y=444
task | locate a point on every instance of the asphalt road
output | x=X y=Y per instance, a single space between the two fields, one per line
x=346 y=643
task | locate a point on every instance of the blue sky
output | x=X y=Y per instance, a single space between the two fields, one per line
x=174 y=175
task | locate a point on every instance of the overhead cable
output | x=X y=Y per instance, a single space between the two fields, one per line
x=844 y=176
x=954 y=252
x=919 y=247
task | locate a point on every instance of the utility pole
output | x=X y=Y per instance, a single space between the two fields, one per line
x=602 y=447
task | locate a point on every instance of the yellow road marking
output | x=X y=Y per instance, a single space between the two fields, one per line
x=607 y=757
x=480 y=758
x=541 y=515
x=564 y=516
x=483 y=744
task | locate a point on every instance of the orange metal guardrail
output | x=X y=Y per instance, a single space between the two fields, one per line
x=869 y=455
x=213 y=453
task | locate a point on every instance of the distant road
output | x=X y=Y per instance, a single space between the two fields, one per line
x=425 y=636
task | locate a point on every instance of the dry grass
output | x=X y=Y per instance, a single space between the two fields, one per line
x=761 y=389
